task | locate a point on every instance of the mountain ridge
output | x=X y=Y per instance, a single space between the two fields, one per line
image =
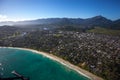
x=79 y=22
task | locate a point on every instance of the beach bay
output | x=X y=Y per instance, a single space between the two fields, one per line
x=34 y=66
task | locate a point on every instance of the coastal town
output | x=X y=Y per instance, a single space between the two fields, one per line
x=60 y=39
x=97 y=53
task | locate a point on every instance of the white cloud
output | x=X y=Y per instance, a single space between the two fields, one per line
x=3 y=18
x=6 y=18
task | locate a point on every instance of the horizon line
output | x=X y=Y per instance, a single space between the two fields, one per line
x=59 y=18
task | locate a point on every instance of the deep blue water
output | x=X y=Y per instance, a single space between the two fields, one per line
x=34 y=66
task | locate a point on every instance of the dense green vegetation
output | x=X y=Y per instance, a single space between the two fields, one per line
x=104 y=31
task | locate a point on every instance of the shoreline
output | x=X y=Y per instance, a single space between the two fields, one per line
x=63 y=62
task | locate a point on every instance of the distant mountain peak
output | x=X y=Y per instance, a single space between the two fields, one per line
x=99 y=17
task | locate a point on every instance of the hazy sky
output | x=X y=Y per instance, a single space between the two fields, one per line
x=33 y=9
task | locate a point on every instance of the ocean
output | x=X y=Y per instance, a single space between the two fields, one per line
x=34 y=66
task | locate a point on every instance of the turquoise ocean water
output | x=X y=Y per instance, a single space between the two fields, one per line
x=34 y=66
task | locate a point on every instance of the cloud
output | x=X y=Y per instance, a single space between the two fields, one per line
x=3 y=16
x=6 y=18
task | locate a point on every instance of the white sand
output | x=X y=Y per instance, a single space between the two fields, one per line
x=66 y=63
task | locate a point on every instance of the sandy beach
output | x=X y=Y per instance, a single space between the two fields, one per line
x=66 y=63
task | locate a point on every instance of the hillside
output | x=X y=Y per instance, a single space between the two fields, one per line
x=58 y=22
x=104 y=31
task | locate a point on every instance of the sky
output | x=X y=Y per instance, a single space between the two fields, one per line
x=18 y=10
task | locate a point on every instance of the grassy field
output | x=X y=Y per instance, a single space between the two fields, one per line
x=104 y=31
